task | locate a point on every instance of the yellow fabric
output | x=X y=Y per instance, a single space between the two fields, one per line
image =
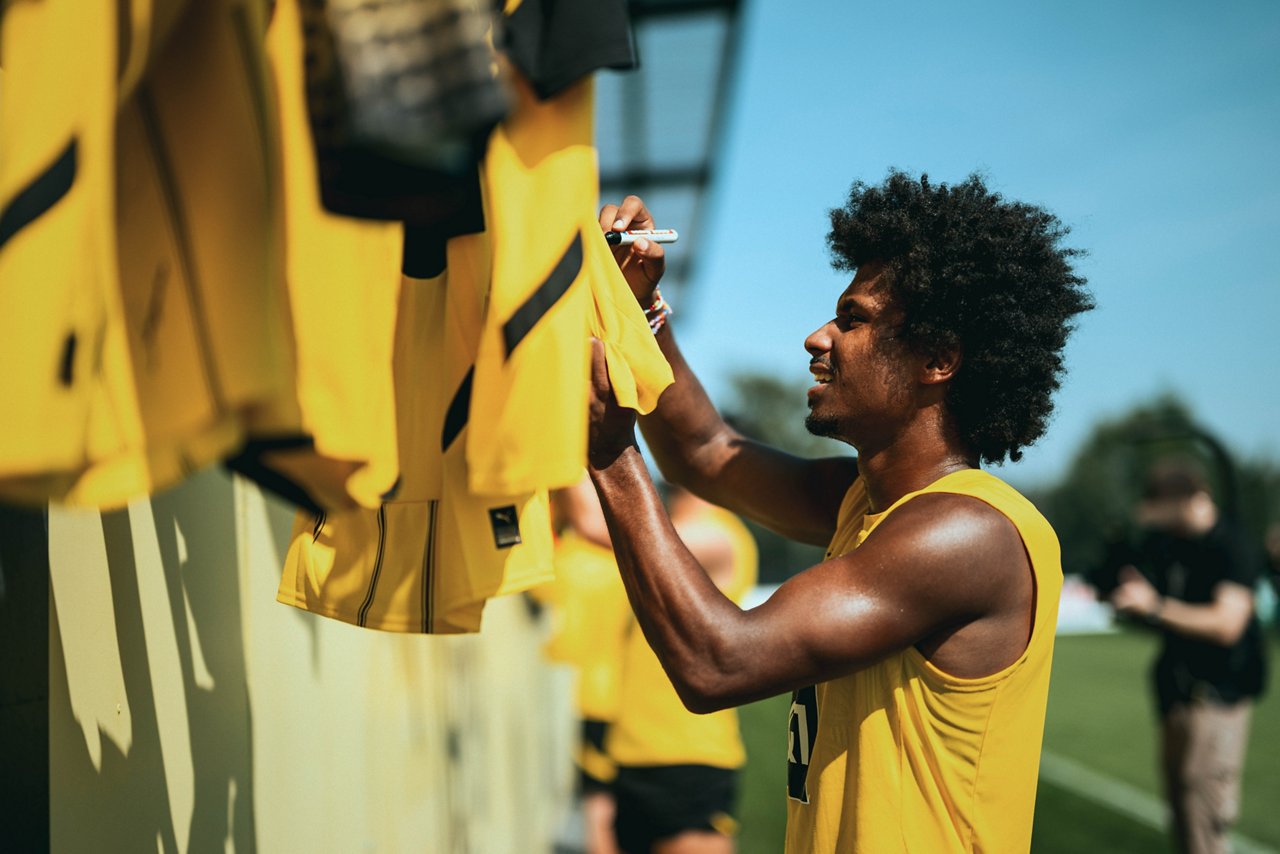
x=595 y=763
x=197 y=223
x=590 y=618
x=551 y=269
x=58 y=269
x=427 y=560
x=637 y=369
x=343 y=278
x=151 y=22
x=190 y=337
x=908 y=758
x=653 y=727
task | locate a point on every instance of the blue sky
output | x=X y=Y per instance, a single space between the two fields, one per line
x=1152 y=129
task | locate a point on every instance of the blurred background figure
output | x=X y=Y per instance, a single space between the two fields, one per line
x=590 y=619
x=1189 y=572
x=653 y=776
x=678 y=772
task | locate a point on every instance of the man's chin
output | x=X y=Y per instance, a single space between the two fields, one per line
x=820 y=426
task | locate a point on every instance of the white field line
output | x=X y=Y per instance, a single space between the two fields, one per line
x=1121 y=797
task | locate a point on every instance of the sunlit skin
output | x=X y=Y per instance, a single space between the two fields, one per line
x=947 y=574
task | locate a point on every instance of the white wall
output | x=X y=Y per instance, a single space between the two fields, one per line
x=191 y=712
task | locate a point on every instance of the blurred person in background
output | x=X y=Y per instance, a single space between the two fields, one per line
x=590 y=616
x=653 y=776
x=1191 y=574
x=678 y=772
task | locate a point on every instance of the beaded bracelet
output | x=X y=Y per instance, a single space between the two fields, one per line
x=658 y=312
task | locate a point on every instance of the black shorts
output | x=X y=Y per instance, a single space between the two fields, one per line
x=659 y=802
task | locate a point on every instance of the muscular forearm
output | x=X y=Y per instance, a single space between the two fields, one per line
x=684 y=616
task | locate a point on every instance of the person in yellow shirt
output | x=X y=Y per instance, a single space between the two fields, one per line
x=918 y=653
x=677 y=772
x=653 y=775
x=590 y=616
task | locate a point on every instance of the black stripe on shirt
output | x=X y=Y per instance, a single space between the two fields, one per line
x=455 y=417
x=429 y=569
x=363 y=616
x=40 y=195
x=546 y=295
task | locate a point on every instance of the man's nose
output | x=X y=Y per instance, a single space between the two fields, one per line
x=819 y=340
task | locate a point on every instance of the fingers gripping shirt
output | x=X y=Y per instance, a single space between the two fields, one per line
x=554 y=280
x=427 y=560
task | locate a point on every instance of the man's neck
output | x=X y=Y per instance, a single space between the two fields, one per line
x=912 y=461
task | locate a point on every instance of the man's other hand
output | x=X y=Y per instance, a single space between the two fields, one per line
x=612 y=428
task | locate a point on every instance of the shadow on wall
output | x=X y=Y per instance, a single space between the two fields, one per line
x=188 y=711
x=147 y=660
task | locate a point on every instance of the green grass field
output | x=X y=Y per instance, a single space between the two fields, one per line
x=1100 y=723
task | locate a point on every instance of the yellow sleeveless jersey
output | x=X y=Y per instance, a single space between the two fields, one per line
x=653 y=727
x=903 y=757
x=426 y=560
x=554 y=283
x=329 y=442
x=590 y=618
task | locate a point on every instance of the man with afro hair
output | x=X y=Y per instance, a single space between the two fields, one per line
x=918 y=652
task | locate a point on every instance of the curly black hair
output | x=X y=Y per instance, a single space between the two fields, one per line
x=972 y=270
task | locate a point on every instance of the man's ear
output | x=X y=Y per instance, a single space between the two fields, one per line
x=941 y=366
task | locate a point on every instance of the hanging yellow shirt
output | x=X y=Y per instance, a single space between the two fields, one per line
x=57 y=241
x=328 y=442
x=555 y=282
x=428 y=559
x=144 y=357
x=901 y=756
x=653 y=726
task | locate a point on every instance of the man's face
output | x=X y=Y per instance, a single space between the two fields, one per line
x=864 y=385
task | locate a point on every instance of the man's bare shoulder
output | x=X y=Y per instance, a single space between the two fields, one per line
x=951 y=545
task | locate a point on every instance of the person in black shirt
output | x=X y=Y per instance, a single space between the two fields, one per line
x=1191 y=574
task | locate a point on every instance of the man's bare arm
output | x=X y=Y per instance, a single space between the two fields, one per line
x=695 y=448
x=940 y=567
